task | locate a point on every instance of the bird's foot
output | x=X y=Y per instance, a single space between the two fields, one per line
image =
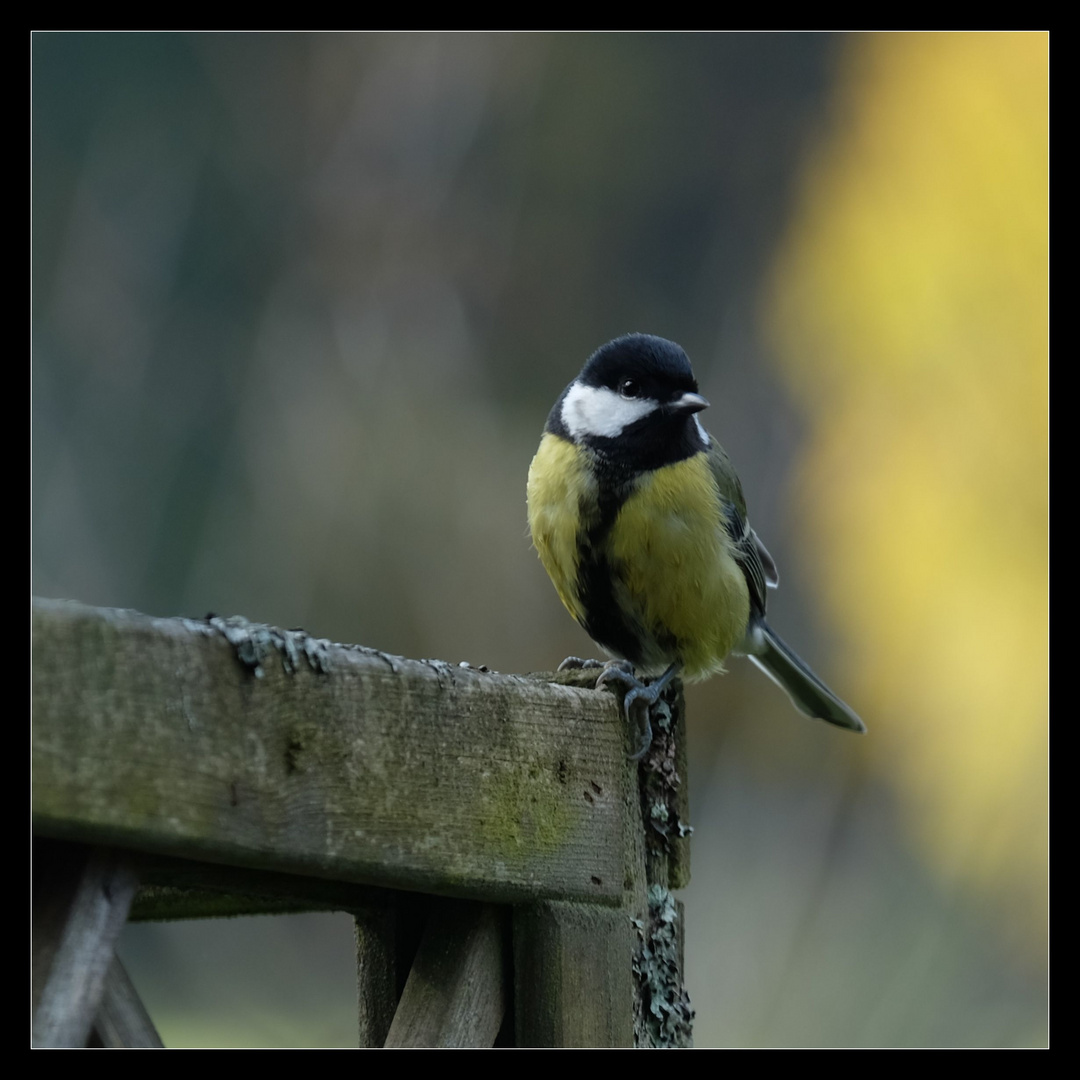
x=575 y=663
x=639 y=698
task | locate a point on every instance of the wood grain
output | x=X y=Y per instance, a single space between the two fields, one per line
x=160 y=734
x=457 y=990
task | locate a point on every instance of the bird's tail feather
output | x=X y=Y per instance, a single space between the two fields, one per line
x=807 y=692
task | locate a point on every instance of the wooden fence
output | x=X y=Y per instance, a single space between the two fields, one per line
x=507 y=866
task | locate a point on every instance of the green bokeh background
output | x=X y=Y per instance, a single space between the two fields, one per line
x=301 y=303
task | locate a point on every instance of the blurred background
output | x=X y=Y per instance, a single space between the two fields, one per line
x=301 y=304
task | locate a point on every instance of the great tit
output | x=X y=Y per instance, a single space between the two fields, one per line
x=640 y=521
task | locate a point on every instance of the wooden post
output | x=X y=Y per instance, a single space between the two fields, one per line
x=376 y=972
x=573 y=977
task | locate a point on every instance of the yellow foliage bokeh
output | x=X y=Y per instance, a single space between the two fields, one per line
x=910 y=312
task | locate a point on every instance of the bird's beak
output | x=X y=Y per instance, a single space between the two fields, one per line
x=689 y=403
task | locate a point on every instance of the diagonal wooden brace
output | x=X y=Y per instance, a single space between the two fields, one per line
x=81 y=901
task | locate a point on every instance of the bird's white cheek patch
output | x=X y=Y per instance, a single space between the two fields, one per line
x=596 y=410
x=703 y=433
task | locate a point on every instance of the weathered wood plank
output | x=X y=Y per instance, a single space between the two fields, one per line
x=81 y=900
x=161 y=734
x=456 y=993
x=122 y=1020
x=573 y=975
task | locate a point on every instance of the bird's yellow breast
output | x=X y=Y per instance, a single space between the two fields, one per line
x=674 y=578
x=673 y=557
x=560 y=483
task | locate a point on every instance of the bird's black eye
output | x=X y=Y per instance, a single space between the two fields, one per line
x=630 y=388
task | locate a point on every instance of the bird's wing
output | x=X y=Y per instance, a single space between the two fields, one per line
x=772 y=575
x=750 y=553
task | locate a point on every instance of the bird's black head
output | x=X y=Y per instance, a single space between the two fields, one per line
x=635 y=402
x=641 y=366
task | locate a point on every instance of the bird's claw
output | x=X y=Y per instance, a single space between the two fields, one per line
x=575 y=663
x=638 y=699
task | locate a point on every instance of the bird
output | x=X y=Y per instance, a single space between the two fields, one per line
x=639 y=519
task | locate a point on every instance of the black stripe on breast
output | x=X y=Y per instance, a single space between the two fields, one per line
x=604 y=621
